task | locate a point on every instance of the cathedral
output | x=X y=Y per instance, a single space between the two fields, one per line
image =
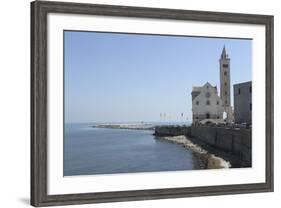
x=207 y=105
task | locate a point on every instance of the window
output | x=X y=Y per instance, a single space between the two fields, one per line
x=250 y=89
x=218 y=117
x=225 y=93
x=225 y=102
x=225 y=73
x=208 y=102
x=196 y=117
x=218 y=102
x=225 y=65
x=225 y=84
x=197 y=102
x=239 y=91
x=207 y=115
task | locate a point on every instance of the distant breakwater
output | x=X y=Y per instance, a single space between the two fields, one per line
x=126 y=126
x=233 y=145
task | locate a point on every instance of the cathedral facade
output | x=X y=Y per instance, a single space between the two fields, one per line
x=207 y=105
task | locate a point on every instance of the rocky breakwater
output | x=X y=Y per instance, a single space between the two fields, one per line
x=232 y=145
x=129 y=126
x=208 y=161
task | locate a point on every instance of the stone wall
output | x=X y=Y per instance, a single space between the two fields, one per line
x=172 y=130
x=236 y=142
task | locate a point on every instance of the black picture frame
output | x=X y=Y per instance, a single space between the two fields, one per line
x=39 y=12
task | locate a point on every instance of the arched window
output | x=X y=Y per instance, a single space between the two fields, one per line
x=225 y=73
x=197 y=102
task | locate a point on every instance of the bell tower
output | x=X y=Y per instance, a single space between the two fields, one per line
x=225 y=79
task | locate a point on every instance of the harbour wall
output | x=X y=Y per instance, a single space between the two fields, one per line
x=172 y=130
x=223 y=141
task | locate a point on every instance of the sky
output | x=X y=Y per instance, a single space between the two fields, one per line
x=114 y=77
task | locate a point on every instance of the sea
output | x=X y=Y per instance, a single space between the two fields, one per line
x=91 y=151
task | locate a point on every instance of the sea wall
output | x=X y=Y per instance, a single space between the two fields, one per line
x=236 y=142
x=172 y=130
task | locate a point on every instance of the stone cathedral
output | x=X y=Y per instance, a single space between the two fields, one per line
x=207 y=105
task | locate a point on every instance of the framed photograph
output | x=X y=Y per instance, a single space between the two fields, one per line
x=131 y=103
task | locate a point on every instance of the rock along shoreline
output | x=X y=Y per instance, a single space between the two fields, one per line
x=209 y=161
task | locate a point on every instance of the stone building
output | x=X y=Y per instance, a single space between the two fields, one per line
x=243 y=102
x=206 y=104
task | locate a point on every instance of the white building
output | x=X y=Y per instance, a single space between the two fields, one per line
x=207 y=106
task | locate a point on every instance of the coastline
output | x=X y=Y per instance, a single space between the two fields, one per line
x=209 y=161
x=209 y=157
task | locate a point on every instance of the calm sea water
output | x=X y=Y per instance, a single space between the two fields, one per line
x=89 y=151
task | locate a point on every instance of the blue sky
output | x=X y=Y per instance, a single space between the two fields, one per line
x=112 y=77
